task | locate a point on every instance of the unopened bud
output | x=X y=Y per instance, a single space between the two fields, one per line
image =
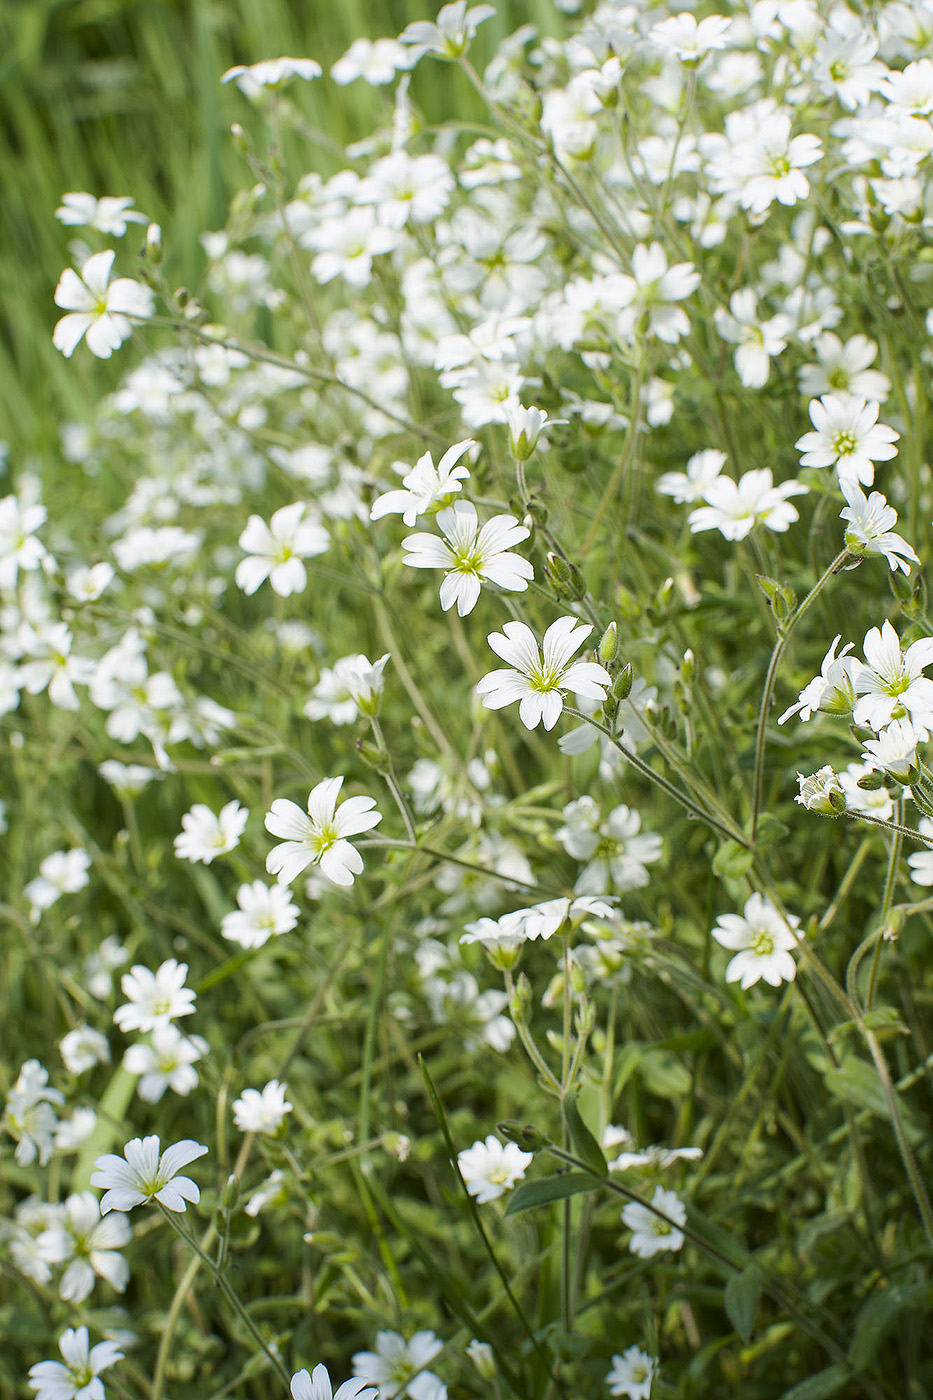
x=154 y=248
x=520 y=999
x=373 y=755
x=608 y=648
x=241 y=141
x=622 y=685
x=231 y=1193
x=536 y=511
x=689 y=667
x=664 y=595
x=565 y=578
x=526 y=1135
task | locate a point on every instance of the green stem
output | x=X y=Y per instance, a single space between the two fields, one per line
x=784 y=636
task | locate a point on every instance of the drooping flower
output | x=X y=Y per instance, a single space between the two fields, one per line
x=144 y=1173
x=821 y=792
x=491 y=1168
x=869 y=528
x=542 y=675
x=470 y=553
x=320 y=837
x=761 y=940
x=101 y=311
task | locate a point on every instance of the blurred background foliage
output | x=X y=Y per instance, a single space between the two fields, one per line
x=123 y=97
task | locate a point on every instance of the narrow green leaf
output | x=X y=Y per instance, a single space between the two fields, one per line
x=856 y=1082
x=825 y=1383
x=741 y=1297
x=584 y=1143
x=545 y=1189
x=878 y=1315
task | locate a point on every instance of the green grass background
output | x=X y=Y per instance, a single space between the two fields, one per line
x=123 y=98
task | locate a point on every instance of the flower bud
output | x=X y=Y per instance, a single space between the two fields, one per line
x=608 y=648
x=622 y=685
x=821 y=792
x=154 y=248
x=231 y=1193
x=520 y=1000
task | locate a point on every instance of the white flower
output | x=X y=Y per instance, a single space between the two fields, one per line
x=758 y=341
x=317 y=1386
x=768 y=162
x=397 y=1367
x=652 y=291
x=262 y=1110
x=19 y=548
x=525 y=425
x=155 y=998
x=375 y=61
x=452 y=31
x=62 y=872
x=921 y=862
x=100 y=309
x=703 y=468
x=615 y=852
x=469 y=553
x=29 y=1116
x=83 y=1048
x=632 y=1373
x=320 y=837
x=821 y=792
x=270 y=73
x=735 y=508
x=894 y=751
x=869 y=529
x=145 y=1174
x=88 y=581
x=684 y=38
x=353 y=687
x=275 y=551
x=542 y=676
x=426 y=487
x=107 y=215
x=833 y=690
x=876 y=802
x=847 y=436
x=491 y=1168
x=273 y=1191
x=90 y=1245
x=761 y=940
x=79 y=1377
x=892 y=681
x=165 y=1062
x=264 y=911
x=844 y=368
x=207 y=834
x=651 y=1233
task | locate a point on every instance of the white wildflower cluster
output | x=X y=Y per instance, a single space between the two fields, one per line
x=555 y=387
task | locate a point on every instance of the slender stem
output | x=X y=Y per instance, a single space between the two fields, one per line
x=891 y=826
x=731 y=832
x=524 y=1035
x=783 y=638
x=886 y=901
x=223 y=1283
x=392 y=782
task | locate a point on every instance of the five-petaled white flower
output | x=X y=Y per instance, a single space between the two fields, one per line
x=275 y=551
x=426 y=487
x=469 y=553
x=491 y=1168
x=869 y=528
x=263 y=912
x=144 y=1173
x=397 y=1367
x=847 y=436
x=653 y=1233
x=891 y=683
x=77 y=1375
x=734 y=508
x=632 y=1373
x=320 y=837
x=207 y=834
x=270 y=73
x=100 y=310
x=544 y=674
x=895 y=751
x=90 y=1245
x=155 y=998
x=762 y=940
x=318 y=1386
x=262 y=1110
x=449 y=35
